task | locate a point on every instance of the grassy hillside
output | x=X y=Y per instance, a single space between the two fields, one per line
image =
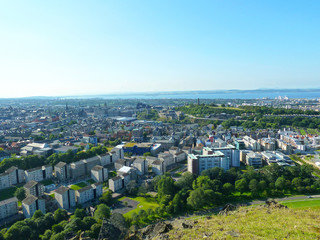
x=254 y=223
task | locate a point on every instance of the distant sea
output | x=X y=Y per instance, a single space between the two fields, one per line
x=210 y=94
x=227 y=94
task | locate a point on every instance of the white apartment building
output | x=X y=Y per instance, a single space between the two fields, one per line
x=32 y=204
x=8 y=207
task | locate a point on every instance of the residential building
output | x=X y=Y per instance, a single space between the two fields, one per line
x=199 y=163
x=141 y=165
x=115 y=184
x=32 y=204
x=99 y=173
x=38 y=174
x=251 y=144
x=254 y=159
x=8 y=207
x=62 y=171
x=158 y=167
x=34 y=188
x=65 y=197
x=84 y=194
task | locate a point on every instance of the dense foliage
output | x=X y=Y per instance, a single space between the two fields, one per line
x=216 y=186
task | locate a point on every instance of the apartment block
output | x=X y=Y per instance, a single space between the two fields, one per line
x=65 y=197
x=99 y=174
x=34 y=188
x=8 y=207
x=32 y=204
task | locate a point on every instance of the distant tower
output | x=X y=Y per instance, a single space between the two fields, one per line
x=198 y=101
x=67 y=108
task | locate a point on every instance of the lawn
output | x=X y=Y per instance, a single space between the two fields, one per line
x=144 y=203
x=303 y=203
x=112 y=174
x=91 y=181
x=302 y=131
x=47 y=182
x=7 y=193
x=78 y=186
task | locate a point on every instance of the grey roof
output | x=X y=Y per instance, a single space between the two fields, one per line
x=116 y=178
x=121 y=161
x=10 y=170
x=139 y=160
x=96 y=184
x=9 y=200
x=157 y=162
x=34 y=169
x=86 y=188
x=60 y=164
x=29 y=200
x=97 y=168
x=30 y=184
x=62 y=190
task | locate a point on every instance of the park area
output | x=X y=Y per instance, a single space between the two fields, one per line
x=303 y=203
x=134 y=205
x=78 y=186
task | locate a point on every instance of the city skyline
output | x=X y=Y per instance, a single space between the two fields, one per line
x=88 y=48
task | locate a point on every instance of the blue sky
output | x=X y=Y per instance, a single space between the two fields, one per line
x=55 y=48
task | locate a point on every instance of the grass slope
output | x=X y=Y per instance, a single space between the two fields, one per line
x=255 y=223
x=144 y=203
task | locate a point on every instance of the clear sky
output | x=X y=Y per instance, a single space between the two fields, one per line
x=73 y=47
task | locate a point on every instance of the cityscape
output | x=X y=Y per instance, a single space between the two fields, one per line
x=158 y=120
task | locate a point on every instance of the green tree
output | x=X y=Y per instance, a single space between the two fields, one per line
x=60 y=215
x=254 y=186
x=103 y=211
x=280 y=184
x=197 y=198
x=80 y=213
x=106 y=198
x=47 y=235
x=227 y=188
x=165 y=188
x=87 y=222
x=241 y=185
x=37 y=214
x=20 y=193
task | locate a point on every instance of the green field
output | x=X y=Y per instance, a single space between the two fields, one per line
x=144 y=203
x=47 y=182
x=302 y=131
x=79 y=186
x=303 y=203
x=7 y=193
x=91 y=181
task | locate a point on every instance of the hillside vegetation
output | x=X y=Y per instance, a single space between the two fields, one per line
x=253 y=223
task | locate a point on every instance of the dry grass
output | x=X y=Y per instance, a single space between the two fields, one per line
x=256 y=223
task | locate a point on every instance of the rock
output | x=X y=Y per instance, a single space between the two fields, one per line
x=227 y=208
x=161 y=228
x=185 y=225
x=233 y=234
